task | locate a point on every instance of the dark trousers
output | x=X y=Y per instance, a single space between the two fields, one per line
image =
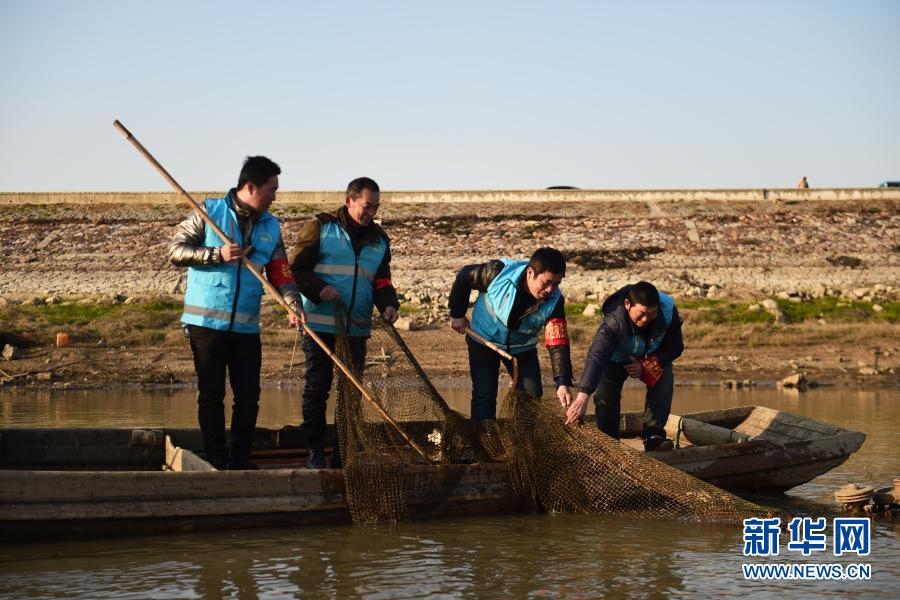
x=484 y=366
x=657 y=405
x=241 y=355
x=318 y=375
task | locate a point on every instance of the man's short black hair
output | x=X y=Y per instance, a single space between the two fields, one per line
x=644 y=293
x=258 y=170
x=548 y=259
x=355 y=187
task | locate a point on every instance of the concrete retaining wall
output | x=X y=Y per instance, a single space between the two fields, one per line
x=511 y=196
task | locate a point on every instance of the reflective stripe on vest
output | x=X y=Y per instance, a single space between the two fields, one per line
x=636 y=346
x=221 y=315
x=490 y=317
x=337 y=266
x=210 y=297
x=344 y=270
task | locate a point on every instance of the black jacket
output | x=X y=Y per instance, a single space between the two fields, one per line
x=616 y=328
x=479 y=277
x=306 y=256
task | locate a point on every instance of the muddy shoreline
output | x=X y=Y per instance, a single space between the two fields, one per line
x=442 y=355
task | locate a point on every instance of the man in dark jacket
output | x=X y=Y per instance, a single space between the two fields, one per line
x=343 y=267
x=516 y=300
x=640 y=336
x=221 y=305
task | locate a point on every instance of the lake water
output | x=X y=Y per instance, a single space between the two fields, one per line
x=501 y=556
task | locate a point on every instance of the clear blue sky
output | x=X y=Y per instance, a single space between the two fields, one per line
x=451 y=95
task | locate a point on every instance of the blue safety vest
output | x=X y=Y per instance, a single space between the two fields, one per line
x=637 y=346
x=352 y=275
x=226 y=296
x=490 y=317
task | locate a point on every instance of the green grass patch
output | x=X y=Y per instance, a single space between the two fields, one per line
x=574 y=309
x=831 y=309
x=838 y=309
x=721 y=312
x=891 y=312
x=702 y=303
x=82 y=314
x=75 y=314
x=138 y=323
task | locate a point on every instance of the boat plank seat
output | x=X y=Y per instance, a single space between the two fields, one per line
x=781 y=427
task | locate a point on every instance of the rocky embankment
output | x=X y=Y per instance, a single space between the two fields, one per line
x=691 y=249
x=764 y=255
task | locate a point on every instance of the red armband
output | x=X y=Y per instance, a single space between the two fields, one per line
x=556 y=333
x=650 y=370
x=382 y=282
x=279 y=272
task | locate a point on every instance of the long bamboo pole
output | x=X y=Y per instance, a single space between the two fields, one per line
x=500 y=351
x=269 y=287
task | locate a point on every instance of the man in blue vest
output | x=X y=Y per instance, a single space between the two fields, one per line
x=639 y=336
x=516 y=300
x=342 y=265
x=221 y=304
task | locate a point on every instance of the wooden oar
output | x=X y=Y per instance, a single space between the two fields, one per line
x=500 y=351
x=269 y=288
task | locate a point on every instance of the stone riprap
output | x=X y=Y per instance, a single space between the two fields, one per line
x=692 y=248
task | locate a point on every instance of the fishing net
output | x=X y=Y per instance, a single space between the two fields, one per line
x=553 y=467
x=579 y=469
x=405 y=424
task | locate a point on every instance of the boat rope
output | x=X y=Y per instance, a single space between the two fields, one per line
x=678 y=431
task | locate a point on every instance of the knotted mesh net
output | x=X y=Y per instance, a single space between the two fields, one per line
x=566 y=468
x=400 y=440
x=398 y=437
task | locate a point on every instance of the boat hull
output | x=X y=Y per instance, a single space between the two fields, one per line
x=56 y=482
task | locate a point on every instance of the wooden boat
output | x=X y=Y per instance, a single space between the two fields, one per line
x=95 y=481
x=752 y=448
x=64 y=482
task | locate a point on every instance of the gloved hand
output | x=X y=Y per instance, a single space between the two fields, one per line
x=650 y=370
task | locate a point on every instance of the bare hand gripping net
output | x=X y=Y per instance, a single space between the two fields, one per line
x=553 y=467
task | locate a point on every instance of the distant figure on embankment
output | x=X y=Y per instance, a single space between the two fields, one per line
x=803 y=184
